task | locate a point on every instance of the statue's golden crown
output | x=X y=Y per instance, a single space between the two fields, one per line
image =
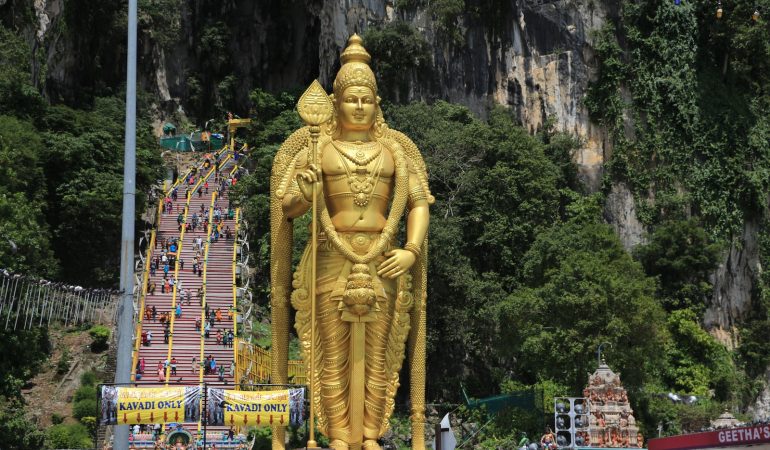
x=355 y=70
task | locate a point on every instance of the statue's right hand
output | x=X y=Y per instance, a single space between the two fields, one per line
x=307 y=178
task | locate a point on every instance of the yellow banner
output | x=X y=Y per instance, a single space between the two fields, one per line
x=241 y=408
x=150 y=405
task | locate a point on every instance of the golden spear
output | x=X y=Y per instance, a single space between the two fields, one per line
x=315 y=108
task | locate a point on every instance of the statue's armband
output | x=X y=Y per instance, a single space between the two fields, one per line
x=417 y=194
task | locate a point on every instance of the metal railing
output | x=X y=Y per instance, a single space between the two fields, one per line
x=253 y=365
x=142 y=299
x=28 y=302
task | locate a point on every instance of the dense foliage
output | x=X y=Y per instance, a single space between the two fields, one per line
x=580 y=289
x=28 y=350
x=61 y=179
x=82 y=433
x=19 y=433
x=686 y=105
x=694 y=136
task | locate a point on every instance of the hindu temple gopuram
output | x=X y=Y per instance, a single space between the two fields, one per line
x=612 y=422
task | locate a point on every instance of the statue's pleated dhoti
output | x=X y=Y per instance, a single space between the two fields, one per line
x=337 y=408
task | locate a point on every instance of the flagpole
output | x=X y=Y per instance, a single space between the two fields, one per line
x=126 y=316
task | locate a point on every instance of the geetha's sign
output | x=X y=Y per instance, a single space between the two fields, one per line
x=756 y=436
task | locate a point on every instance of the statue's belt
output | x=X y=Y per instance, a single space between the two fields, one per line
x=359 y=241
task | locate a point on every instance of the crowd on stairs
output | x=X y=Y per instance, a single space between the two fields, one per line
x=193 y=309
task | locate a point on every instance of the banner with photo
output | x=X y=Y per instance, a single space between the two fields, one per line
x=260 y=408
x=145 y=405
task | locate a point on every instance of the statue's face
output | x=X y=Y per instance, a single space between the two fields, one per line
x=357 y=108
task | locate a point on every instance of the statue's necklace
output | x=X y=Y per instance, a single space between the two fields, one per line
x=362 y=181
x=359 y=158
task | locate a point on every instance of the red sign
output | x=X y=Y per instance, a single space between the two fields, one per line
x=722 y=438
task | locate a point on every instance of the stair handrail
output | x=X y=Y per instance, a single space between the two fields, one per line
x=142 y=298
x=204 y=319
x=235 y=289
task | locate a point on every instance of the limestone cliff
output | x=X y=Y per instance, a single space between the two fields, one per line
x=537 y=57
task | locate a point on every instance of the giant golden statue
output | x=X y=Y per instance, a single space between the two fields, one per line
x=369 y=291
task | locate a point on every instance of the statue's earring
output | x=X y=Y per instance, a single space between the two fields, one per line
x=331 y=125
x=380 y=127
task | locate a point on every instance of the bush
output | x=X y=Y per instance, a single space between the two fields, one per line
x=84 y=392
x=90 y=423
x=84 y=408
x=56 y=419
x=63 y=365
x=88 y=379
x=262 y=438
x=68 y=436
x=100 y=335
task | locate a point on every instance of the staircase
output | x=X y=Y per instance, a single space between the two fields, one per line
x=186 y=344
x=110 y=365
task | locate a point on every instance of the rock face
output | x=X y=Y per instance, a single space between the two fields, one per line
x=733 y=284
x=532 y=55
x=760 y=410
x=620 y=212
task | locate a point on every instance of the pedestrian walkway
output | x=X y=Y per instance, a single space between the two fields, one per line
x=190 y=273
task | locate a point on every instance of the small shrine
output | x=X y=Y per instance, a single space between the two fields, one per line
x=611 y=422
x=725 y=420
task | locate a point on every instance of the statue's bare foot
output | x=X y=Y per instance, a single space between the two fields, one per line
x=371 y=444
x=338 y=444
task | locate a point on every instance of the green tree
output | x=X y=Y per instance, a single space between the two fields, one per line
x=696 y=362
x=400 y=55
x=682 y=256
x=29 y=348
x=22 y=223
x=84 y=408
x=20 y=151
x=83 y=174
x=68 y=436
x=18 y=432
x=447 y=13
x=495 y=190
x=161 y=20
x=18 y=95
x=581 y=289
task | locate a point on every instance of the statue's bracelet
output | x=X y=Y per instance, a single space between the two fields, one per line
x=414 y=249
x=298 y=194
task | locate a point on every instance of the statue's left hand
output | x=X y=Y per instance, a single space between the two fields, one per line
x=398 y=262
